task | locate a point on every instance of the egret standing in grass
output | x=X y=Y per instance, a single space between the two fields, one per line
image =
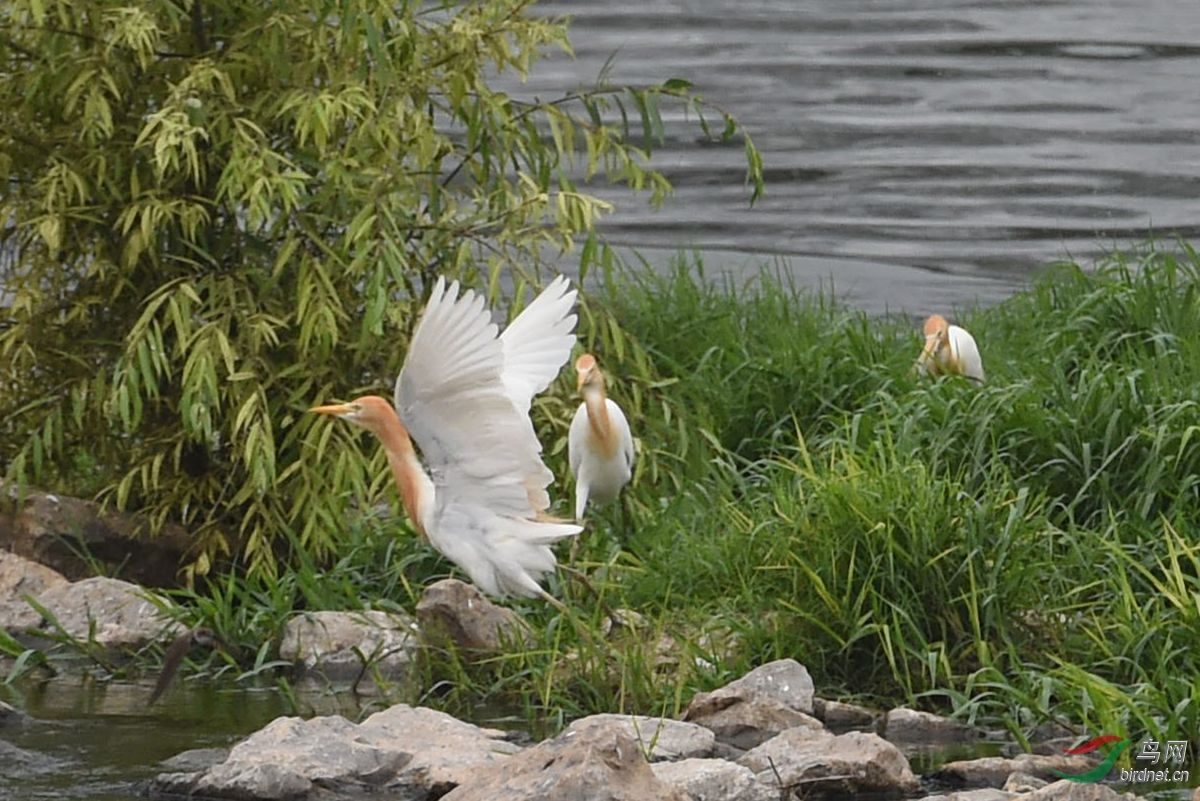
x=949 y=350
x=600 y=444
x=464 y=396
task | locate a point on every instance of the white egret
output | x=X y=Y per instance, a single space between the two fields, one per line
x=463 y=396
x=599 y=444
x=949 y=350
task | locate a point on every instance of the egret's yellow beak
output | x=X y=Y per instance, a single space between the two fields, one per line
x=336 y=409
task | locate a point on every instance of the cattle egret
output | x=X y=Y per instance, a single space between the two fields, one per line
x=463 y=396
x=949 y=350
x=599 y=445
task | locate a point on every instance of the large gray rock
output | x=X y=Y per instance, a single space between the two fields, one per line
x=714 y=780
x=978 y=794
x=112 y=613
x=1066 y=790
x=452 y=612
x=54 y=530
x=405 y=752
x=20 y=577
x=904 y=725
x=596 y=763
x=341 y=645
x=820 y=762
x=994 y=771
x=659 y=738
x=751 y=710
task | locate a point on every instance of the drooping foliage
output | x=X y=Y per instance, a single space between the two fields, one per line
x=218 y=213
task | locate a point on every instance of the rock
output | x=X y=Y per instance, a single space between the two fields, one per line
x=20 y=576
x=441 y=751
x=817 y=761
x=841 y=717
x=595 y=763
x=994 y=771
x=903 y=725
x=404 y=751
x=15 y=758
x=109 y=612
x=714 y=780
x=195 y=759
x=53 y=530
x=341 y=645
x=978 y=794
x=453 y=612
x=1018 y=782
x=659 y=738
x=1066 y=790
x=751 y=710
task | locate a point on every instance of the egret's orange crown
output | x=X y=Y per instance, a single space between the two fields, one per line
x=936 y=324
x=589 y=372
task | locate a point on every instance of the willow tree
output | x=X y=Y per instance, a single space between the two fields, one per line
x=218 y=213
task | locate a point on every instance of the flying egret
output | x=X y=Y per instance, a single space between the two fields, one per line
x=463 y=396
x=948 y=350
x=599 y=444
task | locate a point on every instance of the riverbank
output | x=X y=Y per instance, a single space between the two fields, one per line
x=1009 y=555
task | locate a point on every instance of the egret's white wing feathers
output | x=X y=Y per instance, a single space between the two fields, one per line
x=966 y=353
x=537 y=343
x=482 y=452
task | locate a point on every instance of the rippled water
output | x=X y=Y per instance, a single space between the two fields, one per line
x=918 y=152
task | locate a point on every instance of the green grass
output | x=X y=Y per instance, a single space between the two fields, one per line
x=1008 y=554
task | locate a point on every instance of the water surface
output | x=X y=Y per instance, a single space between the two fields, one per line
x=918 y=152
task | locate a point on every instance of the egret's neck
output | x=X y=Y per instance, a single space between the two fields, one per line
x=598 y=420
x=416 y=489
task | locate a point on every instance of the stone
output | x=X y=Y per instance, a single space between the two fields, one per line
x=659 y=738
x=596 y=763
x=111 y=613
x=751 y=710
x=840 y=717
x=20 y=576
x=994 y=771
x=195 y=759
x=1018 y=782
x=341 y=645
x=978 y=794
x=441 y=751
x=903 y=725
x=810 y=761
x=1066 y=790
x=403 y=752
x=714 y=780
x=452 y=612
x=53 y=530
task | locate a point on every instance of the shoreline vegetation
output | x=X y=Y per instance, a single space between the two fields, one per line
x=1009 y=555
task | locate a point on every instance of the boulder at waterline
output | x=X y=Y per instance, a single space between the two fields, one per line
x=340 y=646
x=714 y=780
x=452 y=612
x=820 y=762
x=751 y=710
x=659 y=738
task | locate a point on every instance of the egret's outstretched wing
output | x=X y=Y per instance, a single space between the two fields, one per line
x=538 y=342
x=966 y=353
x=452 y=399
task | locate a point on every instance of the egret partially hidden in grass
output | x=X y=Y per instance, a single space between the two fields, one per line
x=949 y=350
x=599 y=444
x=463 y=396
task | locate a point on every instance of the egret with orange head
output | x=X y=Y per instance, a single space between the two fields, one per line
x=949 y=350
x=463 y=396
x=599 y=444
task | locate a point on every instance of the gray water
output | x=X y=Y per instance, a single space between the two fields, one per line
x=919 y=154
